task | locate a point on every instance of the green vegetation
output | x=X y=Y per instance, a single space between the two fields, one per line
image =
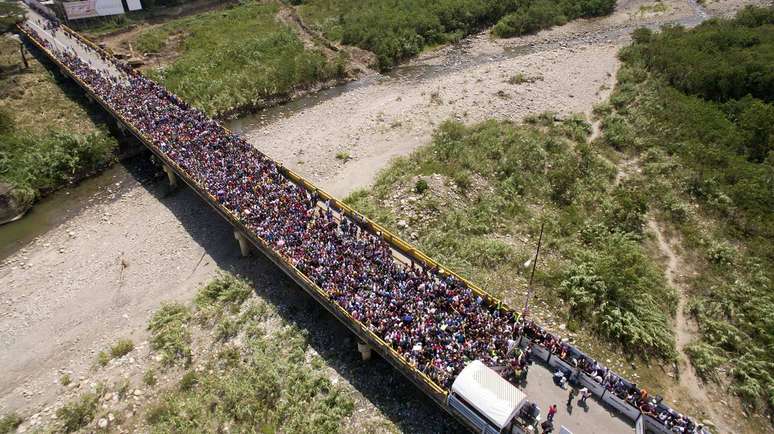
x=507 y=179
x=264 y=385
x=396 y=30
x=37 y=157
x=343 y=156
x=234 y=58
x=77 y=414
x=9 y=423
x=65 y=380
x=697 y=107
x=421 y=186
x=540 y=14
x=170 y=335
x=121 y=348
x=149 y=378
x=103 y=358
x=10 y=14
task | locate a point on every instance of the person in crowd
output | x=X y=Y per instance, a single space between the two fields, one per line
x=551 y=412
x=573 y=393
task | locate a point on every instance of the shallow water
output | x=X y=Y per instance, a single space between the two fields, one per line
x=62 y=205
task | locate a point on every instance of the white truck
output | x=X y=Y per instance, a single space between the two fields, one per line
x=490 y=403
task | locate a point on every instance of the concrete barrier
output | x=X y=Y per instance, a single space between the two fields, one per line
x=653 y=425
x=622 y=406
x=595 y=388
x=541 y=353
x=556 y=362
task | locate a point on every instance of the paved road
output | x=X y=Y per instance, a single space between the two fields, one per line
x=60 y=39
x=596 y=418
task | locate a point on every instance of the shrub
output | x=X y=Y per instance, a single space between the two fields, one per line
x=188 y=381
x=227 y=329
x=103 y=358
x=226 y=289
x=421 y=186
x=121 y=348
x=65 y=380
x=706 y=359
x=343 y=156
x=149 y=378
x=77 y=414
x=9 y=423
x=169 y=333
x=122 y=388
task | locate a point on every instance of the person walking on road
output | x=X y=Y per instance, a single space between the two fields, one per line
x=584 y=395
x=573 y=394
x=551 y=412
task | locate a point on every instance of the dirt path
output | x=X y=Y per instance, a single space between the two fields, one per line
x=686 y=332
x=359 y=62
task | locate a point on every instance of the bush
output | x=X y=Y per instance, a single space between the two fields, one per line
x=103 y=358
x=149 y=378
x=169 y=333
x=76 y=415
x=188 y=381
x=65 y=380
x=398 y=30
x=421 y=186
x=121 y=348
x=226 y=290
x=9 y=423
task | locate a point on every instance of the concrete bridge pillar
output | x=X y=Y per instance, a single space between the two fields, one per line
x=171 y=176
x=244 y=244
x=365 y=350
x=121 y=127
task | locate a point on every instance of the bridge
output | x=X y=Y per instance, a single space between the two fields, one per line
x=424 y=319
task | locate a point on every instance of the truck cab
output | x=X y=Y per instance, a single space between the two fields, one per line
x=489 y=404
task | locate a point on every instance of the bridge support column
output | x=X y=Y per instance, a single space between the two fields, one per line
x=121 y=127
x=365 y=350
x=244 y=244
x=171 y=176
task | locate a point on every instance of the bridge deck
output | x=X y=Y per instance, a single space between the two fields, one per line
x=539 y=388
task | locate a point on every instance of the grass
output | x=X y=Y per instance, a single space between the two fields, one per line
x=263 y=385
x=121 y=348
x=9 y=423
x=39 y=157
x=235 y=58
x=65 y=380
x=170 y=335
x=149 y=378
x=654 y=8
x=103 y=358
x=77 y=414
x=343 y=156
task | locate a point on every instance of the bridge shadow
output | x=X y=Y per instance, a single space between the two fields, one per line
x=377 y=381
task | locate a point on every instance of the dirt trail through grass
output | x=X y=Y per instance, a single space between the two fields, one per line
x=686 y=330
